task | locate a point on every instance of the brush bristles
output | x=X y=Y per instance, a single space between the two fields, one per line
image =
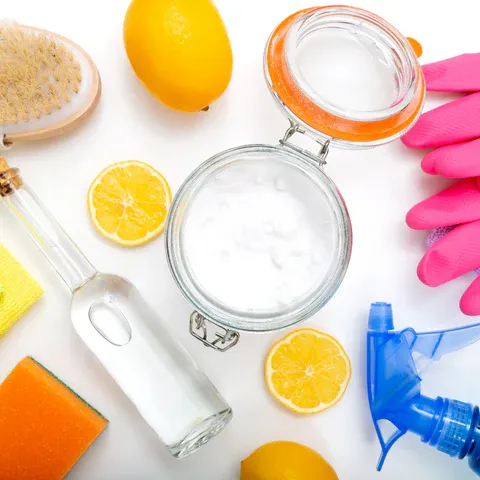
x=38 y=74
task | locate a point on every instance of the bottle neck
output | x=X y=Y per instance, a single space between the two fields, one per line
x=474 y=452
x=448 y=425
x=67 y=259
x=455 y=427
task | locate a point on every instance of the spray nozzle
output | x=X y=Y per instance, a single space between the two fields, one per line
x=381 y=317
x=396 y=361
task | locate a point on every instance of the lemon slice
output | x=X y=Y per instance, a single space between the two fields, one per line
x=128 y=203
x=307 y=371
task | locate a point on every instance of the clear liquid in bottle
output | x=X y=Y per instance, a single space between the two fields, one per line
x=157 y=374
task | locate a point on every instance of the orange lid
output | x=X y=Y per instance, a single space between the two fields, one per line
x=389 y=124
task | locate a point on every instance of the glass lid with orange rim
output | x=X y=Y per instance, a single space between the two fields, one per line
x=258 y=237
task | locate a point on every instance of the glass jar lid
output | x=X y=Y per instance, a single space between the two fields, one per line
x=345 y=75
x=258 y=238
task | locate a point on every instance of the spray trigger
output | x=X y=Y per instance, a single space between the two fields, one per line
x=388 y=444
x=396 y=362
x=436 y=344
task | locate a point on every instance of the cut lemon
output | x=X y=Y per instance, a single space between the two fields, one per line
x=307 y=371
x=128 y=203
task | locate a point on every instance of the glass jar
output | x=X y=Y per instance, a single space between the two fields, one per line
x=345 y=78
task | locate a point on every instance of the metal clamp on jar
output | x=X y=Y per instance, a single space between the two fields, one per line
x=293 y=266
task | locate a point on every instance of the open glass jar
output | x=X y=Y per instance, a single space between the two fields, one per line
x=258 y=237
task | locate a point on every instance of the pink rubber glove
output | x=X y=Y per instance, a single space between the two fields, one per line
x=455 y=128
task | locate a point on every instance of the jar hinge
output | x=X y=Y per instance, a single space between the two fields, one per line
x=225 y=339
x=319 y=158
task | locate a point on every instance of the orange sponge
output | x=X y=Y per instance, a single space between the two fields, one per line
x=44 y=426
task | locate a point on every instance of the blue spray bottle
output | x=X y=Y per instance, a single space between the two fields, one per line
x=395 y=361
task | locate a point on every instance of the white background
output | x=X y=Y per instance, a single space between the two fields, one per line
x=379 y=186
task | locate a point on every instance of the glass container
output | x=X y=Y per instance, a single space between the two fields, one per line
x=125 y=333
x=343 y=77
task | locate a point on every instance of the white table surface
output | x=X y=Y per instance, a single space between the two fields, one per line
x=379 y=186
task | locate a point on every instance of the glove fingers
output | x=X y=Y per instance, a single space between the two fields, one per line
x=457 y=74
x=451 y=123
x=452 y=256
x=454 y=161
x=470 y=301
x=457 y=204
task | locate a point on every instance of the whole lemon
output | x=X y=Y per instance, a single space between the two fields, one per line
x=286 y=461
x=180 y=51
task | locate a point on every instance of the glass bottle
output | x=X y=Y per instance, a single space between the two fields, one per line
x=133 y=344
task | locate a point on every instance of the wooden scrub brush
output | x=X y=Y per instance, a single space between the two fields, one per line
x=48 y=84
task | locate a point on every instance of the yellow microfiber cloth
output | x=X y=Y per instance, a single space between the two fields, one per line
x=18 y=290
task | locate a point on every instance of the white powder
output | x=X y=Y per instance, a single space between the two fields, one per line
x=259 y=236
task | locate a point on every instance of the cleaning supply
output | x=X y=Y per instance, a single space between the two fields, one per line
x=307 y=371
x=18 y=290
x=396 y=362
x=453 y=122
x=286 y=461
x=179 y=50
x=262 y=217
x=453 y=213
x=128 y=203
x=45 y=427
x=379 y=97
x=125 y=334
x=48 y=84
x=453 y=245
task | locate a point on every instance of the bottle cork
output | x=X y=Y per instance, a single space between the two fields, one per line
x=3 y=165
x=9 y=178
